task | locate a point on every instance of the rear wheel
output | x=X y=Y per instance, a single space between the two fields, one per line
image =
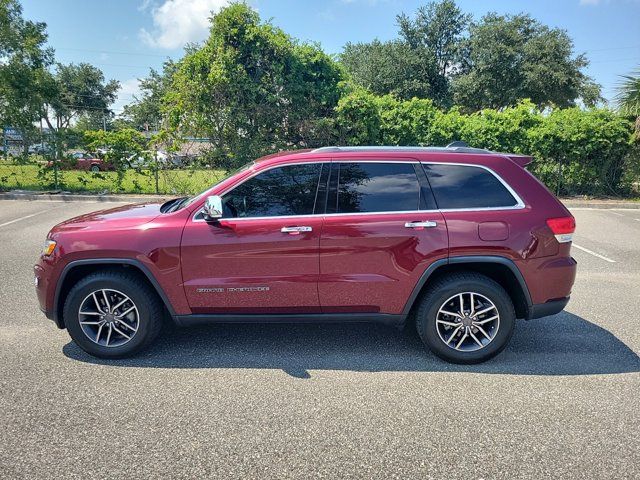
x=112 y=314
x=465 y=318
x=95 y=168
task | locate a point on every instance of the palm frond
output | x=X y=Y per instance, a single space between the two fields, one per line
x=628 y=96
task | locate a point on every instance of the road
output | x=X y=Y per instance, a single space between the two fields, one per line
x=349 y=401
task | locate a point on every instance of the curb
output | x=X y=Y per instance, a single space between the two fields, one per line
x=61 y=197
x=600 y=205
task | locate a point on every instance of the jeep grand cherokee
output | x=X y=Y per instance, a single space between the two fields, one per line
x=458 y=241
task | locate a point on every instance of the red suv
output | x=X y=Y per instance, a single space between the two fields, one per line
x=458 y=241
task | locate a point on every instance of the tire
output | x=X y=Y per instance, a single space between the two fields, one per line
x=142 y=324
x=95 y=168
x=435 y=327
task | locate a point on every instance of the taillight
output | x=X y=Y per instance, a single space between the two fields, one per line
x=562 y=228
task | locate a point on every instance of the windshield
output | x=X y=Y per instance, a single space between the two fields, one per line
x=186 y=201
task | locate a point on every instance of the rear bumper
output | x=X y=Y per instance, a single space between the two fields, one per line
x=548 y=308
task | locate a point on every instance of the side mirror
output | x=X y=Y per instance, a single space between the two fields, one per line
x=212 y=209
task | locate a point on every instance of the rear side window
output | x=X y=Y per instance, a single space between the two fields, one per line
x=287 y=190
x=466 y=186
x=376 y=187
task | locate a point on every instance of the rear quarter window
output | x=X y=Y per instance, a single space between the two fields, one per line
x=467 y=186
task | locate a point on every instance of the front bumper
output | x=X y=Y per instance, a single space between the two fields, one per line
x=43 y=285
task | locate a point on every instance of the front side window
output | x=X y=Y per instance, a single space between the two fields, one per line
x=466 y=186
x=286 y=190
x=376 y=187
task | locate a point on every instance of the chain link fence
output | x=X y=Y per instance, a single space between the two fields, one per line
x=35 y=172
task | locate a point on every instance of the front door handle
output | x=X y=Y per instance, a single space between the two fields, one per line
x=295 y=230
x=421 y=225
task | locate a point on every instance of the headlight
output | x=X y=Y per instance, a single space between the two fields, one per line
x=49 y=247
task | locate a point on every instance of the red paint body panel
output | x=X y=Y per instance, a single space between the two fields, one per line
x=137 y=232
x=370 y=263
x=236 y=254
x=347 y=263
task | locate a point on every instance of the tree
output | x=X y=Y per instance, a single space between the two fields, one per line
x=508 y=58
x=145 y=112
x=119 y=145
x=251 y=89
x=438 y=27
x=417 y=64
x=628 y=97
x=394 y=67
x=77 y=90
x=23 y=62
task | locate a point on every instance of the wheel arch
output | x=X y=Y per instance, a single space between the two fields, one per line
x=78 y=269
x=500 y=269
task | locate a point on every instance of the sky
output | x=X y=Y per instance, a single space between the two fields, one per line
x=125 y=38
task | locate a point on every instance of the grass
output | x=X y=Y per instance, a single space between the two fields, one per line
x=34 y=177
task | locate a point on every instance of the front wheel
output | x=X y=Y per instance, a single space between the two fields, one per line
x=465 y=318
x=112 y=314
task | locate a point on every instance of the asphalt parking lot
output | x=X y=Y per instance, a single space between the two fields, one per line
x=356 y=401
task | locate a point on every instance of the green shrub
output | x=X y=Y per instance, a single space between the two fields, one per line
x=576 y=151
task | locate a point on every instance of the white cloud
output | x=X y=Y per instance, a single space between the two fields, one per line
x=128 y=88
x=177 y=22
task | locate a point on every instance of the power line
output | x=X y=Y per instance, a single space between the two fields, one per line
x=82 y=107
x=121 y=65
x=167 y=57
x=632 y=47
x=616 y=60
x=96 y=96
x=114 y=52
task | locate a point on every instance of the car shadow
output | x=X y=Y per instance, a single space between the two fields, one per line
x=563 y=344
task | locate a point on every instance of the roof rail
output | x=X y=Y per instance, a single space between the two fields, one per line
x=457 y=143
x=452 y=147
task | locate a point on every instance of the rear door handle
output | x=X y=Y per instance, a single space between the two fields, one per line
x=295 y=230
x=421 y=225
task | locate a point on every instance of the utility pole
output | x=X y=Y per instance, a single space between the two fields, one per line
x=155 y=167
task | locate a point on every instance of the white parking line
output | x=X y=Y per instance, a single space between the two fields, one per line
x=25 y=217
x=606 y=259
x=616 y=213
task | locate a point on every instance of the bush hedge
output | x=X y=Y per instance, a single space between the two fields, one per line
x=576 y=151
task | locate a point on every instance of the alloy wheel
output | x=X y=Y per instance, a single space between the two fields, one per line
x=467 y=322
x=108 y=317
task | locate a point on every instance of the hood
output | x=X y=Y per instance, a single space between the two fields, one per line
x=113 y=218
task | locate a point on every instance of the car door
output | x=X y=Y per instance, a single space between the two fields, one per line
x=262 y=256
x=381 y=232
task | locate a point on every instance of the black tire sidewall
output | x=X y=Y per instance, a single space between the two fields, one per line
x=426 y=323
x=138 y=295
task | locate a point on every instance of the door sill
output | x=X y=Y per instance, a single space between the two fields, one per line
x=203 y=319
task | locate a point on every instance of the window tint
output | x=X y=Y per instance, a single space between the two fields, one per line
x=288 y=190
x=377 y=187
x=460 y=186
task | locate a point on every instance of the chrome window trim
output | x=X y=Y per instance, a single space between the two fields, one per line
x=519 y=203
x=398 y=212
x=255 y=173
x=518 y=206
